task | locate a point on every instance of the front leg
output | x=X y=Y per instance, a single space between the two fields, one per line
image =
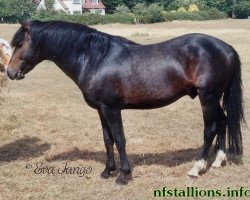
x=114 y=121
x=109 y=144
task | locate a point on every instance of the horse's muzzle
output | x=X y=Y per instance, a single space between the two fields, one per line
x=14 y=74
x=17 y=72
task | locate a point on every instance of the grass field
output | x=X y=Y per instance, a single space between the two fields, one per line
x=44 y=119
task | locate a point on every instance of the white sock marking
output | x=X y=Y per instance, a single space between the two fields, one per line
x=221 y=156
x=198 y=166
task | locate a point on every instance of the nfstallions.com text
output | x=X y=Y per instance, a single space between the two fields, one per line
x=196 y=192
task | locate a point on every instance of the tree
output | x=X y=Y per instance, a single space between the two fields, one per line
x=112 y=4
x=237 y=8
x=3 y=8
x=242 y=9
x=221 y=5
x=14 y=10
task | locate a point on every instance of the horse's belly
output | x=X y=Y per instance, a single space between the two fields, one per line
x=152 y=98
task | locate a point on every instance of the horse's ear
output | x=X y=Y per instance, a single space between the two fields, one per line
x=25 y=25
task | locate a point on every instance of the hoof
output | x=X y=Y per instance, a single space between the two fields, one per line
x=193 y=174
x=220 y=160
x=199 y=166
x=216 y=166
x=123 y=179
x=105 y=175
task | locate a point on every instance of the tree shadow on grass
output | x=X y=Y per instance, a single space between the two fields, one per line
x=169 y=158
x=27 y=147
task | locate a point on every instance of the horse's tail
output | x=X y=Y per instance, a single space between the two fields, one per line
x=233 y=105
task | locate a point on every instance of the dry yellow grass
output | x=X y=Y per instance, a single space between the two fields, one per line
x=44 y=118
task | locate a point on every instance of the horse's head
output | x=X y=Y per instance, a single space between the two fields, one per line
x=23 y=58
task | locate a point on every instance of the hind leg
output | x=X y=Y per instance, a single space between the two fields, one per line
x=221 y=141
x=210 y=109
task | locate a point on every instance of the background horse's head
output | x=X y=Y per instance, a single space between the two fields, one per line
x=24 y=57
x=5 y=53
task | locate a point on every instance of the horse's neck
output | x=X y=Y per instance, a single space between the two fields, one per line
x=71 y=65
x=75 y=65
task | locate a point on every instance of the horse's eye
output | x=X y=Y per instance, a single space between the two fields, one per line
x=20 y=45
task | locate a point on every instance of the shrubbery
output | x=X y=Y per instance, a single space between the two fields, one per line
x=14 y=10
x=88 y=18
x=197 y=15
x=242 y=10
x=122 y=9
x=193 y=8
x=151 y=14
x=139 y=14
x=174 y=5
x=181 y=9
x=142 y=11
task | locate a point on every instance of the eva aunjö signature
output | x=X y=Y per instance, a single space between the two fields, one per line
x=42 y=168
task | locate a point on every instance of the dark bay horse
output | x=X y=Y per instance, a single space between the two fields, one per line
x=114 y=73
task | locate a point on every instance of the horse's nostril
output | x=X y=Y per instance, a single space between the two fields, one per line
x=20 y=75
x=11 y=73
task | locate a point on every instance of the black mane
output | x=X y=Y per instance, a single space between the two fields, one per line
x=66 y=36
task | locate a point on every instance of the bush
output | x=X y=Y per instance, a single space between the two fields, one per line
x=155 y=13
x=193 y=8
x=152 y=14
x=181 y=9
x=172 y=11
x=174 y=5
x=15 y=10
x=140 y=9
x=242 y=10
x=198 y=16
x=122 y=9
x=87 y=18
